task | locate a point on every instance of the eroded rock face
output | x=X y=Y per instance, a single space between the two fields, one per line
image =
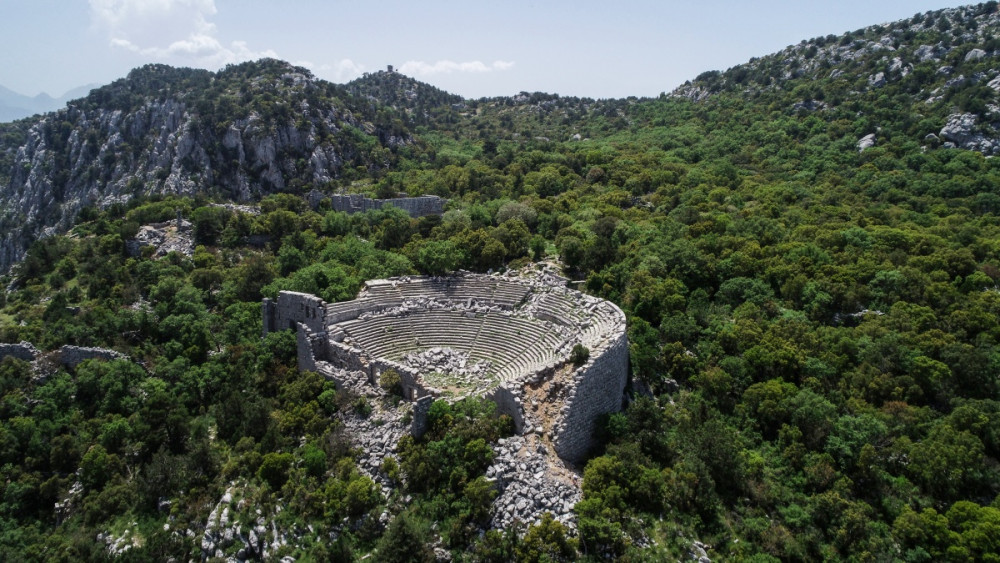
x=926 y=53
x=90 y=154
x=163 y=238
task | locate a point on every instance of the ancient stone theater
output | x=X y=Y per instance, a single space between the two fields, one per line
x=552 y=358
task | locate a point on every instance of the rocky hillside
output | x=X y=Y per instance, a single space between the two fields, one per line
x=267 y=126
x=245 y=131
x=419 y=103
x=933 y=79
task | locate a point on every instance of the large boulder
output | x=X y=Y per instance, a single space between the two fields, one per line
x=866 y=142
x=960 y=131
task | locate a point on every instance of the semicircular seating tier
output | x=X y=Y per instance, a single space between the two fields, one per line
x=508 y=327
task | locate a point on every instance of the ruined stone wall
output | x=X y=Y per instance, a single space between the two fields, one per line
x=269 y=311
x=409 y=379
x=344 y=357
x=599 y=386
x=71 y=356
x=415 y=206
x=418 y=424
x=291 y=308
x=304 y=351
x=23 y=351
x=509 y=403
x=304 y=313
x=68 y=356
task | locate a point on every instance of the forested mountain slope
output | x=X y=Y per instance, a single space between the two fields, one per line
x=805 y=247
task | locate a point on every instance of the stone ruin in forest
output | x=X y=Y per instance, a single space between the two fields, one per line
x=507 y=338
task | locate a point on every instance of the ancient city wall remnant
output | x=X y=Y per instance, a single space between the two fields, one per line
x=507 y=338
x=72 y=356
x=23 y=351
x=415 y=206
x=67 y=356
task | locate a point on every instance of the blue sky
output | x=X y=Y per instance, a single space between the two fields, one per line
x=581 y=48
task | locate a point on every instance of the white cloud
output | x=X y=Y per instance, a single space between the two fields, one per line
x=177 y=31
x=420 y=68
x=341 y=71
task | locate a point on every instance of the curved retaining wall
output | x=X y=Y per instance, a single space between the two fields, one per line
x=594 y=389
x=598 y=387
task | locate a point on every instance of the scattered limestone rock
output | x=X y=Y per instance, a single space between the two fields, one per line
x=164 y=238
x=961 y=131
x=926 y=53
x=866 y=142
x=975 y=55
x=809 y=105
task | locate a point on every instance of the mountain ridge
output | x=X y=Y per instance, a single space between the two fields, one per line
x=264 y=126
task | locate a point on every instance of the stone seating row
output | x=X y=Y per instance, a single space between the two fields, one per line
x=515 y=345
x=558 y=307
x=393 y=336
x=528 y=361
x=495 y=338
x=509 y=294
x=494 y=291
x=602 y=320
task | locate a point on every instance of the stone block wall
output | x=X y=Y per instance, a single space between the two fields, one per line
x=72 y=356
x=343 y=356
x=68 y=356
x=269 y=311
x=599 y=387
x=291 y=308
x=509 y=403
x=304 y=341
x=23 y=351
x=414 y=206
x=409 y=378
x=418 y=424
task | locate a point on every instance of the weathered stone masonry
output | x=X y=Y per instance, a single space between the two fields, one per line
x=415 y=206
x=24 y=351
x=497 y=337
x=69 y=356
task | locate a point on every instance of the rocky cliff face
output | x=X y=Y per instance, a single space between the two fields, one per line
x=246 y=131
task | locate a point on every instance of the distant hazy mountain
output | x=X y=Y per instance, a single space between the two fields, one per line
x=17 y=106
